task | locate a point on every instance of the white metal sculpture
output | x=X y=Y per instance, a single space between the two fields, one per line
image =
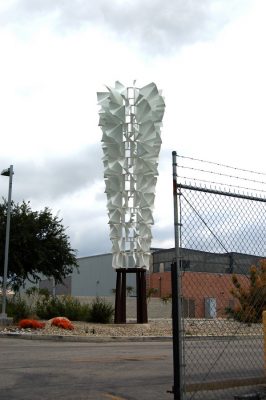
x=131 y=119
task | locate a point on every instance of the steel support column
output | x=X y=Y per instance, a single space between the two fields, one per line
x=120 y=296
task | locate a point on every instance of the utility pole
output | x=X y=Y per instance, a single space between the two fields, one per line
x=6 y=172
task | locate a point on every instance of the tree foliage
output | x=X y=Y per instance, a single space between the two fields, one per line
x=38 y=245
x=252 y=297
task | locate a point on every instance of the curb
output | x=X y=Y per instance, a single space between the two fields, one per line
x=87 y=339
x=107 y=339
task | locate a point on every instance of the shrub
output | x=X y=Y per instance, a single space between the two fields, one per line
x=73 y=309
x=252 y=297
x=34 y=294
x=130 y=290
x=47 y=307
x=69 y=307
x=62 y=323
x=85 y=311
x=31 y=323
x=166 y=299
x=152 y=292
x=25 y=307
x=100 y=311
x=17 y=308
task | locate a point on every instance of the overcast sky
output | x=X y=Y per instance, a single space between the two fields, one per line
x=207 y=56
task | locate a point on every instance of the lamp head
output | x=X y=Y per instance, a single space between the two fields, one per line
x=6 y=172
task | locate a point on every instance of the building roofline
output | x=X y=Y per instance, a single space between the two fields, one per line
x=208 y=252
x=153 y=249
x=94 y=255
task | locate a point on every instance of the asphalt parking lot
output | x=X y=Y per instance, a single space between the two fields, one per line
x=63 y=370
x=48 y=369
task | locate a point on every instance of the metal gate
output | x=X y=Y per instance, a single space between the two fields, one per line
x=221 y=236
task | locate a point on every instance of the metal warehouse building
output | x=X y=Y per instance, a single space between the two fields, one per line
x=96 y=277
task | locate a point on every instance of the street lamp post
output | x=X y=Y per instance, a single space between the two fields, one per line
x=6 y=172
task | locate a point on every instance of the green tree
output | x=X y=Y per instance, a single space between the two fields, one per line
x=38 y=245
x=130 y=290
x=251 y=297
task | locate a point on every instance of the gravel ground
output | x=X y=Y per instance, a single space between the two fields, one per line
x=159 y=327
x=220 y=327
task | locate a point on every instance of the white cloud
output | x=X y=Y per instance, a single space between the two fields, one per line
x=208 y=57
x=156 y=27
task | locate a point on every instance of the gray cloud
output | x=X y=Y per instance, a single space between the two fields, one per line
x=156 y=26
x=56 y=177
x=88 y=229
x=165 y=233
x=94 y=240
x=48 y=184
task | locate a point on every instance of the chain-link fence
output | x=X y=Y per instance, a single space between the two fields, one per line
x=222 y=251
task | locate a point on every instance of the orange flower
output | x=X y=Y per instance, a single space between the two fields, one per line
x=63 y=323
x=31 y=323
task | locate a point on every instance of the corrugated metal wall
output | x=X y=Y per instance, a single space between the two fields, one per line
x=96 y=277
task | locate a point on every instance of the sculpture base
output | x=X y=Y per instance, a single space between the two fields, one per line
x=120 y=295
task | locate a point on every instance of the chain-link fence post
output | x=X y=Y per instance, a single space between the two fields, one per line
x=264 y=333
x=176 y=300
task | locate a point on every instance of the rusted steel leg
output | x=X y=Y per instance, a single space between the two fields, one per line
x=123 y=297
x=120 y=297
x=142 y=317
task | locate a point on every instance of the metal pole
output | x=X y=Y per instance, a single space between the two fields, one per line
x=4 y=315
x=178 y=389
